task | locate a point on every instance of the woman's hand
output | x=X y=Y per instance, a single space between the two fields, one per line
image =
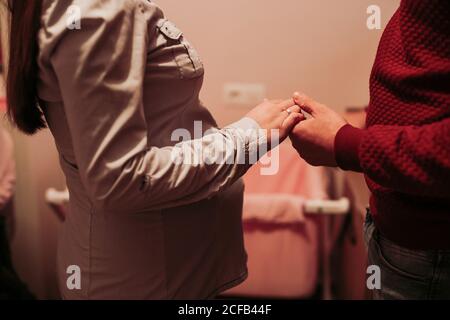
x=277 y=115
x=314 y=138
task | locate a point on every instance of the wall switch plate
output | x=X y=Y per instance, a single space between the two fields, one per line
x=243 y=94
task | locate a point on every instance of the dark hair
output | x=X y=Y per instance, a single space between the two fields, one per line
x=21 y=84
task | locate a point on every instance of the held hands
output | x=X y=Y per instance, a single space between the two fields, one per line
x=277 y=115
x=314 y=138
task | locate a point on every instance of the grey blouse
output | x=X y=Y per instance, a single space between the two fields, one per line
x=115 y=93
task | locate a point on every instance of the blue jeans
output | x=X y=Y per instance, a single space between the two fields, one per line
x=407 y=274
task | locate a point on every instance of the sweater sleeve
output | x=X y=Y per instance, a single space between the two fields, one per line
x=100 y=70
x=409 y=159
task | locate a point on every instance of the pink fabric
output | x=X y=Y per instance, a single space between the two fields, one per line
x=283 y=260
x=2 y=104
x=7 y=168
x=295 y=176
x=281 y=241
x=274 y=208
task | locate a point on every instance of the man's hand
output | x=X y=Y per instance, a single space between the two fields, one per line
x=314 y=138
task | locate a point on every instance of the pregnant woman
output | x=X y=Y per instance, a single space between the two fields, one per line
x=112 y=92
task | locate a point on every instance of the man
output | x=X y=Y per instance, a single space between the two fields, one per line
x=404 y=152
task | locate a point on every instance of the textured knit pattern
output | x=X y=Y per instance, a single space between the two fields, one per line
x=405 y=153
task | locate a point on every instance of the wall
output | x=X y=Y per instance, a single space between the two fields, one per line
x=321 y=47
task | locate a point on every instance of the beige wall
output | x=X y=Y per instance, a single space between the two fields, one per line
x=319 y=46
x=322 y=47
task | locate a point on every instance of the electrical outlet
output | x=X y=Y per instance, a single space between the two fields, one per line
x=244 y=94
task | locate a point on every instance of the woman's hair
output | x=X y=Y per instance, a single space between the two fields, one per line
x=22 y=71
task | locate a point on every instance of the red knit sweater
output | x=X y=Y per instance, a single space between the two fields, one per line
x=405 y=150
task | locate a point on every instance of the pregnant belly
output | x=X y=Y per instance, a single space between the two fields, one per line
x=145 y=253
x=205 y=238
x=221 y=211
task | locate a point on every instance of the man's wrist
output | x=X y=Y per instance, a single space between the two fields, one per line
x=346 y=148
